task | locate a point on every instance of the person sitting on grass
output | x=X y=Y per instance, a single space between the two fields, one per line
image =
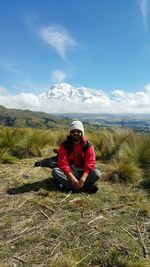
x=76 y=164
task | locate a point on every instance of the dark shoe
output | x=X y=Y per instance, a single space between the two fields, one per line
x=57 y=185
x=92 y=189
x=60 y=186
x=76 y=191
x=36 y=164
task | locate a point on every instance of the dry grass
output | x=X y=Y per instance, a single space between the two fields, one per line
x=41 y=226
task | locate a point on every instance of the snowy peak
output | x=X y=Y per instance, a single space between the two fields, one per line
x=67 y=91
x=62 y=89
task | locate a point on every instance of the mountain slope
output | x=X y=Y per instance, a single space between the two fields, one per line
x=27 y=118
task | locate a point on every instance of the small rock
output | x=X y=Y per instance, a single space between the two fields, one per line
x=25 y=176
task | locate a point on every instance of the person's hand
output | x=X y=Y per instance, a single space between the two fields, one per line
x=73 y=180
x=82 y=180
x=75 y=184
x=80 y=184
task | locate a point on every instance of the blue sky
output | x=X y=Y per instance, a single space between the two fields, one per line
x=99 y=44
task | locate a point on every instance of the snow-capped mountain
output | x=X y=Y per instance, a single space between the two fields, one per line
x=64 y=97
x=65 y=91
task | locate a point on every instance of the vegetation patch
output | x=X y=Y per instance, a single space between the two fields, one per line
x=42 y=226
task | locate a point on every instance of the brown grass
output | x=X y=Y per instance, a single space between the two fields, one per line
x=41 y=226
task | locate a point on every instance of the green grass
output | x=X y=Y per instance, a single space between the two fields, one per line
x=41 y=226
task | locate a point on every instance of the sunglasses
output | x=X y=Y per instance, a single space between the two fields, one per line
x=76 y=131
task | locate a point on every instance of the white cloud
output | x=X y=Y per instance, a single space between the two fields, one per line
x=144 y=10
x=119 y=102
x=58 y=76
x=59 y=38
x=147 y=88
x=21 y=101
x=138 y=102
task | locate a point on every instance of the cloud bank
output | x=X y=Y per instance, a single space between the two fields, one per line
x=118 y=102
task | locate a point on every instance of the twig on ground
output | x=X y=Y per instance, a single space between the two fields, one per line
x=24 y=230
x=126 y=231
x=92 y=233
x=141 y=242
x=65 y=197
x=75 y=199
x=55 y=248
x=19 y=259
x=15 y=238
x=96 y=218
x=45 y=214
x=82 y=259
x=20 y=205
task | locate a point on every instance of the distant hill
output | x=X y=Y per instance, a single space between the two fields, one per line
x=137 y=122
x=26 y=118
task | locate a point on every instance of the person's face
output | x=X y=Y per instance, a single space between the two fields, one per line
x=76 y=135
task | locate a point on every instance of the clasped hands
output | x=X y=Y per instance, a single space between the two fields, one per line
x=78 y=184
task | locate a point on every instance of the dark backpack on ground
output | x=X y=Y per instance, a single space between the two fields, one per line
x=51 y=162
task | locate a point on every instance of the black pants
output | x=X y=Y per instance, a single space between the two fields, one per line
x=62 y=178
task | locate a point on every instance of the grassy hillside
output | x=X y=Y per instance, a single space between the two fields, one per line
x=27 y=118
x=41 y=226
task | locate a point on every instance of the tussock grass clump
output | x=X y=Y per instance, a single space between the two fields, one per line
x=137 y=149
x=60 y=137
x=57 y=137
x=124 y=154
x=9 y=137
x=27 y=142
x=146 y=181
x=5 y=157
x=108 y=142
x=32 y=144
x=123 y=170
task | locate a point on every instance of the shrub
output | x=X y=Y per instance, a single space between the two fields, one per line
x=122 y=170
x=107 y=142
x=32 y=143
x=136 y=148
x=5 y=157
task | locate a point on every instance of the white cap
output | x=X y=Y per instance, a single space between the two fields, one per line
x=77 y=125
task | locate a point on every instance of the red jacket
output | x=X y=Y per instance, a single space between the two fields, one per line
x=77 y=157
